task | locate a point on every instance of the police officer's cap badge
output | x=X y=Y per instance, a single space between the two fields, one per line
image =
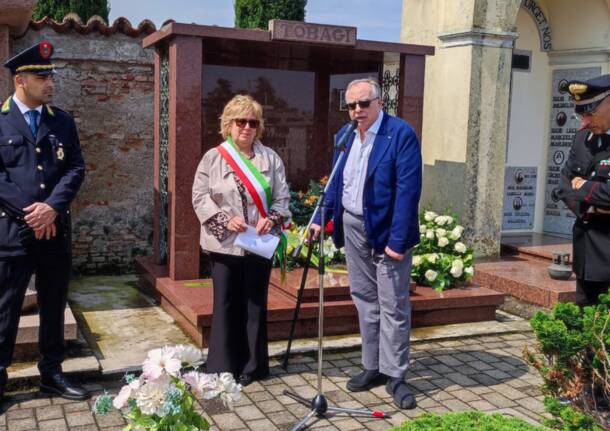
x=35 y=59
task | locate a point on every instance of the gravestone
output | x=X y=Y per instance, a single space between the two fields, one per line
x=558 y=219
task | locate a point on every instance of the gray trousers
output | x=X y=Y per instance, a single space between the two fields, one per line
x=379 y=287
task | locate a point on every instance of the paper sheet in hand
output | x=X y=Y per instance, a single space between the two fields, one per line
x=263 y=245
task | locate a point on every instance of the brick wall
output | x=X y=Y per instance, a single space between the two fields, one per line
x=106 y=83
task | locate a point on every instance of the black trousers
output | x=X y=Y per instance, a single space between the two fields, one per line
x=238 y=339
x=52 y=278
x=587 y=292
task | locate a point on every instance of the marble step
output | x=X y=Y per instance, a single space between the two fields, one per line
x=534 y=246
x=26 y=346
x=190 y=302
x=525 y=278
x=29 y=302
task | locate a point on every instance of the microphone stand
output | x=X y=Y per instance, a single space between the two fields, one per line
x=339 y=145
x=319 y=404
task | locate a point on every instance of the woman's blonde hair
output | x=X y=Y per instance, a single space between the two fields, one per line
x=241 y=106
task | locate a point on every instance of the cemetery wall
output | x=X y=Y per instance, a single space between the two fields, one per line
x=105 y=80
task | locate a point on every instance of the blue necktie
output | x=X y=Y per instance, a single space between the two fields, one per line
x=33 y=116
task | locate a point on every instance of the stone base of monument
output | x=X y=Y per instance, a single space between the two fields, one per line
x=190 y=303
x=521 y=271
x=26 y=346
x=30 y=300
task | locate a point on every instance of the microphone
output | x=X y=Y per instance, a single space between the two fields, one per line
x=340 y=144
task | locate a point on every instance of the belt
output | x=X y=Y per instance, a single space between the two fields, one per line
x=359 y=216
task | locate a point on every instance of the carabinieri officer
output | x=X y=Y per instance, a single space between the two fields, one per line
x=41 y=170
x=584 y=187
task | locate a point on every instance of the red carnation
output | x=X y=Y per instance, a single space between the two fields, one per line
x=328 y=229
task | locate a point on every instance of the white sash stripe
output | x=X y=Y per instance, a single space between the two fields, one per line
x=246 y=170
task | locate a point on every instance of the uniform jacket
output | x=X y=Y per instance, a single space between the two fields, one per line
x=391 y=190
x=591 y=232
x=215 y=190
x=48 y=168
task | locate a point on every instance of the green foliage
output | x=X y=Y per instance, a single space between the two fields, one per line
x=571 y=357
x=257 y=13
x=303 y=204
x=566 y=418
x=58 y=9
x=466 y=421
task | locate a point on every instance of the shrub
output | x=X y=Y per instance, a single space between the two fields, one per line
x=571 y=355
x=58 y=9
x=257 y=13
x=566 y=418
x=466 y=421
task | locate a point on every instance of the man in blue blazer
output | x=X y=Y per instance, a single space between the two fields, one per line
x=41 y=170
x=373 y=200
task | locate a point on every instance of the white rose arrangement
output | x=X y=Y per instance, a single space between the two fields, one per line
x=442 y=259
x=163 y=397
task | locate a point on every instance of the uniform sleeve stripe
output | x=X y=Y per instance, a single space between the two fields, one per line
x=594 y=187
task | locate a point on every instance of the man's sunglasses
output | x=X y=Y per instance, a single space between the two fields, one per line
x=241 y=123
x=362 y=103
x=591 y=113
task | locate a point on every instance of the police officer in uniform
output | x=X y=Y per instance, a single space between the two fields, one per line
x=41 y=170
x=585 y=188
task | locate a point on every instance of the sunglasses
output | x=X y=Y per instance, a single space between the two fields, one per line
x=241 y=123
x=362 y=103
x=592 y=113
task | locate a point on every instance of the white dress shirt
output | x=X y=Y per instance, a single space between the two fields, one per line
x=354 y=174
x=24 y=108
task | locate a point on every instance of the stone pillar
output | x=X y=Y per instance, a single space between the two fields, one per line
x=466 y=108
x=486 y=146
x=157 y=162
x=14 y=19
x=411 y=91
x=184 y=154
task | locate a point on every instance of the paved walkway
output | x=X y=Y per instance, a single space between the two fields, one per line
x=483 y=373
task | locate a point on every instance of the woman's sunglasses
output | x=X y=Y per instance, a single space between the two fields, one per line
x=241 y=123
x=362 y=103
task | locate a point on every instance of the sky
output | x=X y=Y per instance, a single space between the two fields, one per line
x=375 y=19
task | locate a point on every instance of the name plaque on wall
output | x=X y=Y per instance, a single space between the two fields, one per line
x=296 y=31
x=519 y=197
x=558 y=219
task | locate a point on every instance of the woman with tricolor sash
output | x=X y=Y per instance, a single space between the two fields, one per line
x=239 y=183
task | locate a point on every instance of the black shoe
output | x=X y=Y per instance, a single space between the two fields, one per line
x=245 y=379
x=366 y=380
x=398 y=389
x=58 y=384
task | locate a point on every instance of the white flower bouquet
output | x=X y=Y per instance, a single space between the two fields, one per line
x=163 y=397
x=441 y=259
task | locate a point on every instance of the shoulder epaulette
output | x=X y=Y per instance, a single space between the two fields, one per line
x=6 y=106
